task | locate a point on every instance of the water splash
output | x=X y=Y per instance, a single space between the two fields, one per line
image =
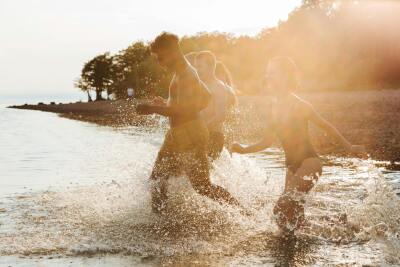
x=351 y=210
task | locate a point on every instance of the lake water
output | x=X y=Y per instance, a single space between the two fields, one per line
x=77 y=194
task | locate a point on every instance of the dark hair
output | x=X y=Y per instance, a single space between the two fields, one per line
x=164 y=40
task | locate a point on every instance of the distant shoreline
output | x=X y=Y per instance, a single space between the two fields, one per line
x=106 y=112
x=371 y=118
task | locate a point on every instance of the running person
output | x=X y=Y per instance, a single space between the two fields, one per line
x=223 y=99
x=289 y=118
x=186 y=141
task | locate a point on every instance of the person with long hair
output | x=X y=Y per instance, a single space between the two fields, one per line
x=289 y=118
x=218 y=79
x=223 y=99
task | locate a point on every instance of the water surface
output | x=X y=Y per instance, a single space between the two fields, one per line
x=74 y=193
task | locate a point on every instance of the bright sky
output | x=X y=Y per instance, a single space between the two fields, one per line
x=44 y=43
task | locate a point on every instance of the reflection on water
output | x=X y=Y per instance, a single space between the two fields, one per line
x=39 y=150
x=76 y=192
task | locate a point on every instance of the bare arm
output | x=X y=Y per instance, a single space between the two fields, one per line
x=159 y=101
x=318 y=120
x=193 y=104
x=264 y=143
x=167 y=111
x=196 y=97
x=163 y=110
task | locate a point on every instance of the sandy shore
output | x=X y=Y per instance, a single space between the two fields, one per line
x=364 y=117
x=371 y=118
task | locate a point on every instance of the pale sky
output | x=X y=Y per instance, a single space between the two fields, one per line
x=44 y=43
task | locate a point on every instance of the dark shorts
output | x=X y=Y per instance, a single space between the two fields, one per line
x=184 y=150
x=216 y=144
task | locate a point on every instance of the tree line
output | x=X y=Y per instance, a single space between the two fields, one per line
x=337 y=45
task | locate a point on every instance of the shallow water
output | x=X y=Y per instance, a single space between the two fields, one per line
x=73 y=194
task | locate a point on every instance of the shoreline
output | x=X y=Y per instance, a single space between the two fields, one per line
x=370 y=118
x=114 y=113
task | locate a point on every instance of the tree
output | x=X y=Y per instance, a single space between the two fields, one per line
x=98 y=74
x=84 y=86
x=135 y=67
x=337 y=45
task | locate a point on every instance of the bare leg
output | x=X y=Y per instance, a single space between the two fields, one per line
x=200 y=179
x=289 y=209
x=215 y=145
x=216 y=193
x=159 y=194
x=165 y=166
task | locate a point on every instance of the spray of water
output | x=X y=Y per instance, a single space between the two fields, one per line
x=352 y=206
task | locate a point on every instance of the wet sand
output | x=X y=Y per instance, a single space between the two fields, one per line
x=370 y=118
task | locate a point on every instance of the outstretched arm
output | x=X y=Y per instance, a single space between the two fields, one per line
x=318 y=120
x=158 y=101
x=173 y=110
x=264 y=143
x=167 y=111
x=197 y=97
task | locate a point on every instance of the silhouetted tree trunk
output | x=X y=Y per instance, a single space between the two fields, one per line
x=89 y=97
x=98 y=94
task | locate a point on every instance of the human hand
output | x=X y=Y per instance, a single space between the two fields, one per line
x=158 y=101
x=237 y=148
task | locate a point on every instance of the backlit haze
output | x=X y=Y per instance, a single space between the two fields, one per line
x=45 y=43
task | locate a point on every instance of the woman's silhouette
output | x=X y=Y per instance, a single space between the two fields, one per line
x=289 y=116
